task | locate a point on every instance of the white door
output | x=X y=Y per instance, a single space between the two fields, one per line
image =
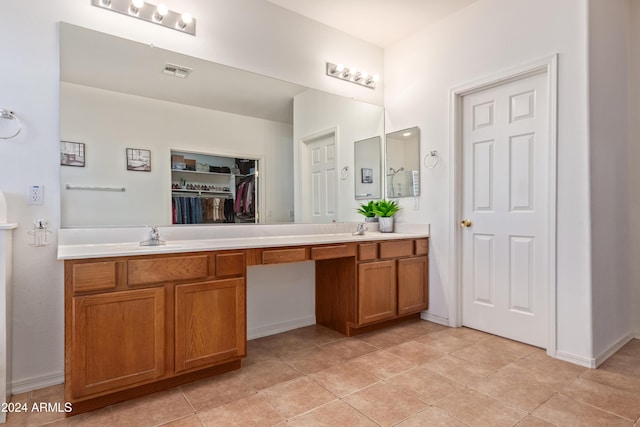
x=320 y=189
x=505 y=199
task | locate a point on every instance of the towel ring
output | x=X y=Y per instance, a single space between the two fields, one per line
x=344 y=173
x=10 y=115
x=432 y=159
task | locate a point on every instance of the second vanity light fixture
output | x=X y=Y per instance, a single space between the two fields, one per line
x=351 y=74
x=159 y=14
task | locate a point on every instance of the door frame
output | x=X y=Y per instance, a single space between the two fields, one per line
x=549 y=66
x=304 y=168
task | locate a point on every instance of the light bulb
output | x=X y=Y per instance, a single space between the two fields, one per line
x=340 y=68
x=134 y=7
x=364 y=75
x=184 y=20
x=376 y=77
x=161 y=11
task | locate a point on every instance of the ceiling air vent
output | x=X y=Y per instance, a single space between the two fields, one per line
x=176 y=70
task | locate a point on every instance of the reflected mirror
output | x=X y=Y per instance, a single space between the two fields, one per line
x=119 y=96
x=367 y=161
x=402 y=163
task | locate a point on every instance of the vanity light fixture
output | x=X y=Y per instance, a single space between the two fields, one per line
x=160 y=14
x=351 y=74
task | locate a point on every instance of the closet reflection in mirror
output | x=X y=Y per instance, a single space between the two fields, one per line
x=367 y=161
x=403 y=163
x=117 y=93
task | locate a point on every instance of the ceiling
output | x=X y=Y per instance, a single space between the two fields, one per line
x=95 y=59
x=379 y=22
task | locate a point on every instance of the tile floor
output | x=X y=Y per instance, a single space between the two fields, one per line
x=414 y=374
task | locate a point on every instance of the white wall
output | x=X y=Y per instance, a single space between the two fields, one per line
x=609 y=141
x=109 y=122
x=634 y=158
x=316 y=112
x=248 y=34
x=486 y=38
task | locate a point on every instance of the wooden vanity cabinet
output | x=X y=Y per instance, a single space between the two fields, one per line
x=377 y=291
x=138 y=324
x=392 y=280
x=118 y=340
x=210 y=323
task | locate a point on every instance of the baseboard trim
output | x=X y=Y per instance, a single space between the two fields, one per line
x=576 y=360
x=611 y=350
x=276 y=328
x=425 y=315
x=34 y=383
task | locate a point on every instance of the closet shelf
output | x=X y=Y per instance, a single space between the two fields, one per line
x=202 y=172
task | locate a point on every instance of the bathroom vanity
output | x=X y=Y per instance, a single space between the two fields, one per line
x=140 y=319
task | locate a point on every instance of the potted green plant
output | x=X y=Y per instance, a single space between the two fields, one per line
x=385 y=209
x=367 y=210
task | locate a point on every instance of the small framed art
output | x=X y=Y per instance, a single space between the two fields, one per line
x=138 y=160
x=72 y=153
x=367 y=175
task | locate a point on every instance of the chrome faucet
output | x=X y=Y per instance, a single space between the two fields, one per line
x=360 y=229
x=154 y=238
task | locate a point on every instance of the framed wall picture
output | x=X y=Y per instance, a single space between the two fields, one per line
x=367 y=175
x=138 y=160
x=72 y=153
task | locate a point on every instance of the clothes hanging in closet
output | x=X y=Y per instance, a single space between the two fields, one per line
x=201 y=210
x=244 y=206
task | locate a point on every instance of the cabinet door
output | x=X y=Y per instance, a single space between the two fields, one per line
x=413 y=291
x=376 y=291
x=118 y=340
x=210 y=323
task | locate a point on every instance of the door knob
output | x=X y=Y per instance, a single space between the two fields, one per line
x=465 y=223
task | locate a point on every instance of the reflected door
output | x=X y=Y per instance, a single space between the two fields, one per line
x=505 y=210
x=320 y=189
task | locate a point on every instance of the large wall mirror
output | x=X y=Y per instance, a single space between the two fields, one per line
x=368 y=177
x=403 y=163
x=119 y=96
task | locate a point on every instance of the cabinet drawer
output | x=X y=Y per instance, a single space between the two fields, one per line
x=396 y=249
x=333 y=251
x=230 y=264
x=367 y=251
x=94 y=276
x=277 y=256
x=422 y=247
x=146 y=271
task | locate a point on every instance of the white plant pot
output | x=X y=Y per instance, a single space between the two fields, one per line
x=385 y=224
x=370 y=219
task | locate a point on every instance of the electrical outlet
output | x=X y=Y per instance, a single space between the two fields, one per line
x=35 y=195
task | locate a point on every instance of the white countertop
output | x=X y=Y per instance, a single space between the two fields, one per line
x=98 y=243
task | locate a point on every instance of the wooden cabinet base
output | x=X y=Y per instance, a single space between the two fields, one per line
x=131 y=393
x=352 y=331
